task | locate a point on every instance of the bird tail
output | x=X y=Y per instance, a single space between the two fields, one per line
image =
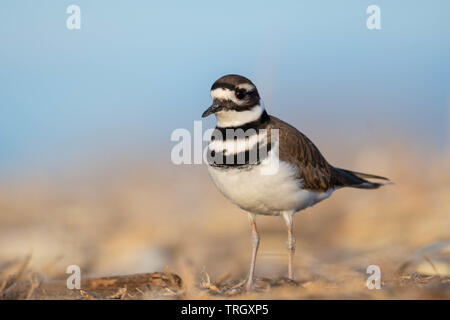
x=353 y=179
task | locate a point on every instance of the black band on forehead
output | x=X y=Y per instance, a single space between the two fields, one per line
x=223 y=85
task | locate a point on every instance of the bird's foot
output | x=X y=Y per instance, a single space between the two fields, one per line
x=250 y=285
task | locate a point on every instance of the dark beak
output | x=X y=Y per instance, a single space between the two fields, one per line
x=213 y=109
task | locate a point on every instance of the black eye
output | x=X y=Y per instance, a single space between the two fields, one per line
x=240 y=93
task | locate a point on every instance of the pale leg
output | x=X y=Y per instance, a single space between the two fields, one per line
x=288 y=218
x=255 y=245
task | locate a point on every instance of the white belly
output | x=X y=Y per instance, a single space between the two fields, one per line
x=255 y=191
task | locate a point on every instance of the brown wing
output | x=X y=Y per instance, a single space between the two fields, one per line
x=296 y=148
x=316 y=173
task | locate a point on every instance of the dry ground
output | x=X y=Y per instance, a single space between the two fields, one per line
x=139 y=220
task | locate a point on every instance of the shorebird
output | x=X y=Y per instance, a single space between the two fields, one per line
x=266 y=166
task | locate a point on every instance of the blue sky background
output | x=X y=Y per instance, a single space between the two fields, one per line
x=139 y=69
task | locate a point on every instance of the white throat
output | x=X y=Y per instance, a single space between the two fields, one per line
x=232 y=118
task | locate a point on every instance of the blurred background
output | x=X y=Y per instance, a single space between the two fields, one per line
x=86 y=117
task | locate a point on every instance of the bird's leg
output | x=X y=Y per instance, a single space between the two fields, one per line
x=288 y=218
x=255 y=245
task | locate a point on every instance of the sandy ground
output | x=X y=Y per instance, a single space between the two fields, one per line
x=164 y=218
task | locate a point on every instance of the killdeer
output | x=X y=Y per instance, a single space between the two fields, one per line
x=302 y=177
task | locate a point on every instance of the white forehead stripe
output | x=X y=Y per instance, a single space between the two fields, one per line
x=232 y=118
x=222 y=94
x=227 y=94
